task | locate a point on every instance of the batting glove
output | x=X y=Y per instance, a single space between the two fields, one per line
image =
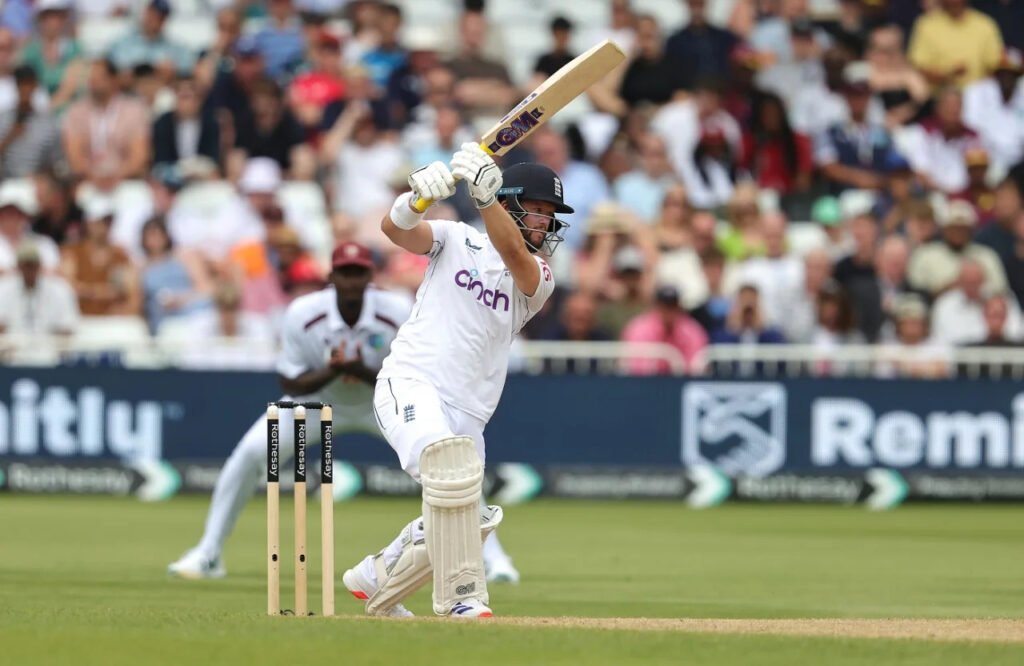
x=476 y=167
x=434 y=182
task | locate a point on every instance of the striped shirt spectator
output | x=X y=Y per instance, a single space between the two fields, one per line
x=29 y=139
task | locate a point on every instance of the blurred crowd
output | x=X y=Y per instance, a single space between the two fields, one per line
x=759 y=174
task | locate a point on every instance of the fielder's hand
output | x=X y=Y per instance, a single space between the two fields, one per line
x=433 y=181
x=476 y=167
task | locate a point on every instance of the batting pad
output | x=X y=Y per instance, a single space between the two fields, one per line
x=452 y=476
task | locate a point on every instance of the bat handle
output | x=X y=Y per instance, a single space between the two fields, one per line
x=421 y=205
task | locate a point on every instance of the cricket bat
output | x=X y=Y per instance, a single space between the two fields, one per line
x=549 y=98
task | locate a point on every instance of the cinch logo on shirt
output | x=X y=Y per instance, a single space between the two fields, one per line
x=467 y=280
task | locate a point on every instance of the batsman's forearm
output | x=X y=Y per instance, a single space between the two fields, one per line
x=308 y=382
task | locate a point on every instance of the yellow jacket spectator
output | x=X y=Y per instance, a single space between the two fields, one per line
x=955 y=44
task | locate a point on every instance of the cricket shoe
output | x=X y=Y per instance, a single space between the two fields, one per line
x=470 y=608
x=362 y=589
x=502 y=571
x=195 y=565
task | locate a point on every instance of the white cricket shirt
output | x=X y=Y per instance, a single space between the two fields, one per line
x=467 y=312
x=313 y=328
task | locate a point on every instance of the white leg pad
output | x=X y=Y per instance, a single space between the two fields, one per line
x=412 y=568
x=452 y=476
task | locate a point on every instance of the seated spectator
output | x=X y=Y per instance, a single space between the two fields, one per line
x=666 y=323
x=958 y=315
x=672 y=223
x=33 y=302
x=713 y=310
x=914 y=354
x=827 y=212
x=364 y=160
x=1001 y=235
x=713 y=171
x=652 y=75
x=560 y=53
x=996 y=314
x=745 y=323
x=801 y=310
x=101 y=273
x=978 y=193
x=217 y=59
x=922 y=225
x=174 y=283
x=387 y=56
x=954 y=44
x=745 y=237
x=852 y=154
x=223 y=336
x=233 y=83
x=8 y=87
x=409 y=87
x=874 y=300
x=578 y=323
x=483 y=86
x=53 y=54
x=106 y=133
x=190 y=129
x=280 y=40
x=144 y=83
x=609 y=230
x=801 y=69
x=149 y=46
x=934 y=266
x=860 y=263
x=17 y=204
x=315 y=96
x=773 y=154
x=835 y=324
x=272 y=130
x=901 y=88
x=634 y=282
x=936 y=148
x=896 y=201
x=994 y=108
x=29 y=139
x=778 y=275
x=741 y=86
x=702 y=45
x=57 y=217
x=440 y=142
x=682 y=266
x=816 y=107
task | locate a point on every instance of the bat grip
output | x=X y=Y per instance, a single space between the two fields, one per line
x=421 y=205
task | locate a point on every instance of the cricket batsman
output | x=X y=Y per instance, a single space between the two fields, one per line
x=333 y=343
x=441 y=382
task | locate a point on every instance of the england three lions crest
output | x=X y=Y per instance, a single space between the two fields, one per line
x=739 y=427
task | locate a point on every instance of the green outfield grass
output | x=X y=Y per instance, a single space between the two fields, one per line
x=82 y=581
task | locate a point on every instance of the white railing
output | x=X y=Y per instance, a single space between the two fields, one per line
x=606 y=357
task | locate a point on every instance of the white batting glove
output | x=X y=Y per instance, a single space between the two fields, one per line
x=476 y=167
x=434 y=182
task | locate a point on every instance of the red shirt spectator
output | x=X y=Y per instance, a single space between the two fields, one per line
x=779 y=158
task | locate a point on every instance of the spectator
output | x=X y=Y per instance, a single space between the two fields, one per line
x=978 y=193
x=1009 y=16
x=8 y=86
x=801 y=311
x=149 y=46
x=958 y=316
x=776 y=28
x=775 y=156
x=994 y=108
x=55 y=57
x=106 y=134
x=936 y=147
x=101 y=273
x=445 y=137
x=712 y=311
x=33 y=302
x=741 y=88
x=634 y=285
x=145 y=84
x=954 y=44
x=280 y=41
x=643 y=189
x=560 y=53
x=483 y=85
x=713 y=171
x=410 y=84
x=860 y=263
x=778 y=275
x=189 y=130
x=651 y=76
x=165 y=181
x=583 y=184
x=874 y=300
x=272 y=130
x=996 y=313
x=835 y=323
x=745 y=323
x=682 y=266
x=388 y=56
x=704 y=48
x=850 y=27
x=233 y=88
x=621 y=29
x=800 y=69
x=914 y=354
x=815 y=107
x=901 y=88
x=217 y=59
x=364 y=161
x=934 y=266
x=853 y=153
x=316 y=95
x=1007 y=209
x=578 y=323
x=29 y=139
x=666 y=323
x=672 y=224
x=226 y=336
x=174 y=283
x=17 y=204
x=922 y=224
x=58 y=216
x=745 y=237
x=896 y=201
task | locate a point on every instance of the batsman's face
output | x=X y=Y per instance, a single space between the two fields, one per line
x=351 y=282
x=537 y=221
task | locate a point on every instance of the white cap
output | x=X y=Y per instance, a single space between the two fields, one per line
x=422 y=38
x=98 y=208
x=52 y=5
x=261 y=175
x=20 y=194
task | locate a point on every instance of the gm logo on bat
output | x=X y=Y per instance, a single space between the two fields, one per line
x=516 y=130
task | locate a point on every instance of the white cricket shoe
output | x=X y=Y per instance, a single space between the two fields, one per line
x=502 y=571
x=362 y=589
x=195 y=565
x=470 y=608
